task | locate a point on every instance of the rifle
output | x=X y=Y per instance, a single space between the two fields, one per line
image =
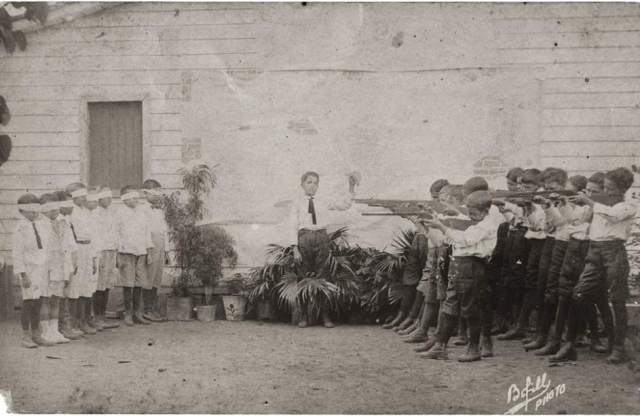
x=420 y=204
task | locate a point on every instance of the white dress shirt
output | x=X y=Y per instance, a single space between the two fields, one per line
x=612 y=223
x=107 y=223
x=478 y=240
x=134 y=233
x=25 y=252
x=300 y=217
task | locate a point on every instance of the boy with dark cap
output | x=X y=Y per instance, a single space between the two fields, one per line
x=606 y=267
x=467 y=288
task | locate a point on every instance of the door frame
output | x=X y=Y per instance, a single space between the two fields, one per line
x=143 y=98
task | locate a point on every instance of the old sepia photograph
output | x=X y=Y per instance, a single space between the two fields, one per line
x=319 y=207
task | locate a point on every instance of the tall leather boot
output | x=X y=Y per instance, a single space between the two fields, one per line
x=568 y=351
x=399 y=318
x=439 y=332
x=520 y=330
x=462 y=338
x=421 y=333
x=544 y=324
x=439 y=349
x=555 y=341
x=473 y=350
x=137 y=307
x=618 y=354
x=594 y=331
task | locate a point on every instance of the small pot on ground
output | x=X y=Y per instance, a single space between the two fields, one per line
x=234 y=307
x=206 y=313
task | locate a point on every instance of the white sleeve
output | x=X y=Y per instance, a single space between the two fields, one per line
x=616 y=213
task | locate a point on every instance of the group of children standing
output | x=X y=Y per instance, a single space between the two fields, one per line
x=562 y=256
x=71 y=247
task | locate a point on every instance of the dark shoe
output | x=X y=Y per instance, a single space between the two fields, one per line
x=409 y=330
x=500 y=327
x=597 y=346
x=416 y=337
x=393 y=323
x=461 y=340
x=302 y=324
x=138 y=319
x=110 y=324
x=87 y=329
x=128 y=319
x=426 y=346
x=617 y=356
x=404 y=325
x=472 y=354
x=150 y=317
x=66 y=331
x=437 y=352
x=567 y=353
x=487 y=347
x=551 y=348
x=581 y=342
x=537 y=343
x=511 y=335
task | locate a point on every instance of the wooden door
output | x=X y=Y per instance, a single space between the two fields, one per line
x=115 y=144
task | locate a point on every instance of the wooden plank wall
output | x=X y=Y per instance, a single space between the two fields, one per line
x=151 y=48
x=588 y=60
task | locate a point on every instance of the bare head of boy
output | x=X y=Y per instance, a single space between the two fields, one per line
x=151 y=188
x=617 y=182
x=310 y=182
x=513 y=179
x=595 y=184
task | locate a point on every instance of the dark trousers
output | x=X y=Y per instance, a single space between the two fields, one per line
x=514 y=271
x=530 y=296
x=314 y=250
x=30 y=315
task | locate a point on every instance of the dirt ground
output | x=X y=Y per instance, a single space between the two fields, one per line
x=254 y=367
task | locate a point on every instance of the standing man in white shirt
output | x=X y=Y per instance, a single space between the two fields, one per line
x=310 y=218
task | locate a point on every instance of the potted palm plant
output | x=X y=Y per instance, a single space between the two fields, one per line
x=200 y=250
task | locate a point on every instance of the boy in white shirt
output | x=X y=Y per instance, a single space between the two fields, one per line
x=69 y=305
x=158 y=226
x=30 y=265
x=309 y=225
x=83 y=228
x=134 y=250
x=606 y=267
x=467 y=288
x=107 y=224
x=57 y=279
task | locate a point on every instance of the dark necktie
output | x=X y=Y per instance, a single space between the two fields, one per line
x=312 y=211
x=73 y=230
x=35 y=230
